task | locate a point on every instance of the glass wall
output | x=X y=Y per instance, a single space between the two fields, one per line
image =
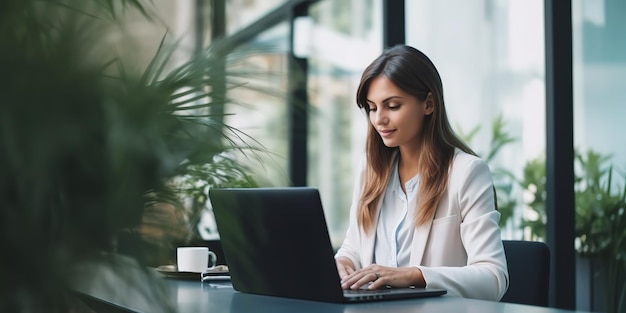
x=599 y=72
x=599 y=40
x=345 y=36
x=138 y=38
x=490 y=54
x=242 y=13
x=258 y=86
x=338 y=39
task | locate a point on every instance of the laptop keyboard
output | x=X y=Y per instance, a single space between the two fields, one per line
x=365 y=291
x=365 y=294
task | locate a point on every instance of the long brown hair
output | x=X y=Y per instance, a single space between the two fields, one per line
x=414 y=73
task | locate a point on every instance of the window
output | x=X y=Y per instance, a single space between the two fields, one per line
x=261 y=108
x=242 y=13
x=599 y=52
x=599 y=73
x=346 y=37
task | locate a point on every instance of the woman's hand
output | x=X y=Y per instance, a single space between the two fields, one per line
x=345 y=267
x=381 y=276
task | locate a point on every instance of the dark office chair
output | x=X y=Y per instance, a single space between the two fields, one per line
x=529 y=272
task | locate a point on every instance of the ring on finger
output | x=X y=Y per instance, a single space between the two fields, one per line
x=377 y=276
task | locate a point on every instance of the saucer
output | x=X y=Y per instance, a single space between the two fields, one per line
x=172 y=272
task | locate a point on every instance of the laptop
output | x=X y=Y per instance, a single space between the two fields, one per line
x=276 y=243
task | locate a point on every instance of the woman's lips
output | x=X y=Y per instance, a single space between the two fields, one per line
x=385 y=132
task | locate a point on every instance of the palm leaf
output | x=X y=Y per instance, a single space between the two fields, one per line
x=88 y=145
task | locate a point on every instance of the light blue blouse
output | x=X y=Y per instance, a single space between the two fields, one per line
x=396 y=223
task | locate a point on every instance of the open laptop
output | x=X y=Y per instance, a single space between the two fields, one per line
x=276 y=243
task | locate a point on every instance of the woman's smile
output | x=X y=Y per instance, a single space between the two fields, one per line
x=386 y=132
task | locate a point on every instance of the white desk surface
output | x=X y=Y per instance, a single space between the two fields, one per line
x=189 y=296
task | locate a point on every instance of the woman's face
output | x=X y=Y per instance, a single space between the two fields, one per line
x=397 y=116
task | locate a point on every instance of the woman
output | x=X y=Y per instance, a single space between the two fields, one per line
x=423 y=210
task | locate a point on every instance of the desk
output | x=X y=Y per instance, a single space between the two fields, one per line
x=192 y=297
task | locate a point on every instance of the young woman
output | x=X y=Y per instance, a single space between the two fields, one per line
x=423 y=210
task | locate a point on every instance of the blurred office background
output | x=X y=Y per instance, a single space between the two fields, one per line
x=492 y=57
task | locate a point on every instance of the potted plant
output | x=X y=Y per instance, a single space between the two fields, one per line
x=88 y=145
x=600 y=228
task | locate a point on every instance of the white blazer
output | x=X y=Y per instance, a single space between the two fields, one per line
x=461 y=248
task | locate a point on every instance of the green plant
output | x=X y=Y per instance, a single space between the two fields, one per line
x=88 y=144
x=600 y=228
x=534 y=186
x=601 y=221
x=194 y=186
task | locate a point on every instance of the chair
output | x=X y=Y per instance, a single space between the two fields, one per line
x=529 y=272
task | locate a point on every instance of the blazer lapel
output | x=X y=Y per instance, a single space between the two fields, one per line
x=369 y=240
x=420 y=238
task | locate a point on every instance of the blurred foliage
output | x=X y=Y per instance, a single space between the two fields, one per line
x=172 y=217
x=504 y=180
x=601 y=222
x=198 y=179
x=534 y=185
x=599 y=201
x=600 y=227
x=89 y=146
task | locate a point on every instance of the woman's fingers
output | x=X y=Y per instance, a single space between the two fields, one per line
x=343 y=269
x=349 y=271
x=380 y=277
x=359 y=278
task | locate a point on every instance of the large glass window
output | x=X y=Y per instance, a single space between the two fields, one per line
x=345 y=37
x=138 y=39
x=599 y=39
x=490 y=55
x=242 y=13
x=599 y=74
x=258 y=83
x=256 y=114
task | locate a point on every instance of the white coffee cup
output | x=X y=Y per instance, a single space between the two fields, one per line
x=195 y=259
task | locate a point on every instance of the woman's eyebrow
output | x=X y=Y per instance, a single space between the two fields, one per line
x=384 y=100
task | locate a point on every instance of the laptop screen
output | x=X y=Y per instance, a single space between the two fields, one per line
x=276 y=242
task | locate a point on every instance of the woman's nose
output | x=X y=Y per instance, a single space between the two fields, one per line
x=379 y=118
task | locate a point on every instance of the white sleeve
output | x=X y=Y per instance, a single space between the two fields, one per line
x=351 y=247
